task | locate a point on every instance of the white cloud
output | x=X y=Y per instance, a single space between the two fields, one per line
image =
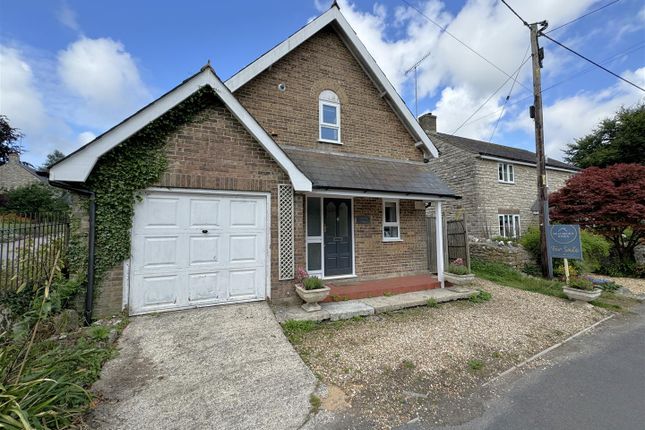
x=573 y=117
x=67 y=16
x=85 y=137
x=106 y=79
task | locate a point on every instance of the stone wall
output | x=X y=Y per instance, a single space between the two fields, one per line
x=512 y=255
x=639 y=254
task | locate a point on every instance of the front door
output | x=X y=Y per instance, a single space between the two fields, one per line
x=338 y=236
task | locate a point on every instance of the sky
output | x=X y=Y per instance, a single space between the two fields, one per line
x=70 y=70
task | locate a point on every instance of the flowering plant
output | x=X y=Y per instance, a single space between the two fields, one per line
x=301 y=275
x=458 y=262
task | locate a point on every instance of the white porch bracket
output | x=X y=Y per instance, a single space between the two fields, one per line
x=439 y=240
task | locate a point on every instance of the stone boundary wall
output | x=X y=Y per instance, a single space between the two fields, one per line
x=494 y=252
x=639 y=253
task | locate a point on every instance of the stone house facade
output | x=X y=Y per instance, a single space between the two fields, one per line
x=498 y=184
x=14 y=174
x=306 y=158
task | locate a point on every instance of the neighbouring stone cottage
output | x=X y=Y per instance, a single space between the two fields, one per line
x=15 y=174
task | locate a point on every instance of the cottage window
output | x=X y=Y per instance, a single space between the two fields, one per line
x=329 y=117
x=509 y=225
x=505 y=173
x=391 y=220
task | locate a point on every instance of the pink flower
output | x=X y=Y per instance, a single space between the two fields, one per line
x=301 y=274
x=458 y=262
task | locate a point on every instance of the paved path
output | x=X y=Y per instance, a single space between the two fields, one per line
x=224 y=367
x=596 y=381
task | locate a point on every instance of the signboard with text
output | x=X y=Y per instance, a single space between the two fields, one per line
x=563 y=241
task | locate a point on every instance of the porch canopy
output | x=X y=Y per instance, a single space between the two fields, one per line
x=358 y=175
x=341 y=174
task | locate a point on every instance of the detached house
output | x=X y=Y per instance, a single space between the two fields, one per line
x=14 y=174
x=498 y=184
x=306 y=157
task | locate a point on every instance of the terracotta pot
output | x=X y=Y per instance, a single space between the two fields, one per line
x=312 y=297
x=582 y=295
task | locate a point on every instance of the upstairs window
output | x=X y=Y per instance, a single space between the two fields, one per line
x=505 y=173
x=329 y=117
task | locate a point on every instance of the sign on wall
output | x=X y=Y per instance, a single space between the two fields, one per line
x=563 y=241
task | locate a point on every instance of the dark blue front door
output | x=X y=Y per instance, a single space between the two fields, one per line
x=338 y=236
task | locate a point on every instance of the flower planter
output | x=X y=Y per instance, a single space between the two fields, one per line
x=458 y=279
x=312 y=297
x=582 y=295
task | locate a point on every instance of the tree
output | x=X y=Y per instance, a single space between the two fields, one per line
x=52 y=158
x=34 y=198
x=8 y=138
x=620 y=139
x=609 y=201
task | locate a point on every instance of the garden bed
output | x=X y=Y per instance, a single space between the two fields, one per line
x=421 y=362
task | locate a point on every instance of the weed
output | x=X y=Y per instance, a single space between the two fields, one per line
x=408 y=364
x=432 y=303
x=315 y=403
x=475 y=364
x=99 y=332
x=357 y=318
x=295 y=330
x=605 y=305
x=388 y=293
x=481 y=297
x=496 y=354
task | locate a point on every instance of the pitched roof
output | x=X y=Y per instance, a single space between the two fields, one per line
x=77 y=166
x=338 y=22
x=494 y=150
x=336 y=171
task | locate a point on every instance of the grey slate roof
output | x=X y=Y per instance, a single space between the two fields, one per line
x=355 y=172
x=492 y=149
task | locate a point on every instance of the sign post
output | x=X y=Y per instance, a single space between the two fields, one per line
x=563 y=241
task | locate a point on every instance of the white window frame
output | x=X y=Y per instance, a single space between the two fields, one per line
x=396 y=224
x=507 y=173
x=325 y=99
x=515 y=223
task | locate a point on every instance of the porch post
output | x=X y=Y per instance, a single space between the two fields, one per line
x=439 y=241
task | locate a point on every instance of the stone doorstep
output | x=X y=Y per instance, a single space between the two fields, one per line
x=335 y=311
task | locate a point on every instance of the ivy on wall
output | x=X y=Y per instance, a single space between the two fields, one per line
x=121 y=174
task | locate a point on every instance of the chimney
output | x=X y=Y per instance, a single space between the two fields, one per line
x=13 y=157
x=428 y=122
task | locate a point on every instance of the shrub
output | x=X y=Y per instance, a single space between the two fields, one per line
x=594 y=249
x=312 y=283
x=581 y=284
x=34 y=198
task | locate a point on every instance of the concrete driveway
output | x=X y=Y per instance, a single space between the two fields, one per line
x=225 y=367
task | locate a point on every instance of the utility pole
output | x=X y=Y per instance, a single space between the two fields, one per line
x=536 y=114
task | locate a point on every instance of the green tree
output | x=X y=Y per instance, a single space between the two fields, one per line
x=8 y=138
x=620 y=139
x=52 y=158
x=34 y=198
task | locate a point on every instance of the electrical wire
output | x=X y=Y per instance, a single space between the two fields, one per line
x=583 y=16
x=515 y=13
x=445 y=30
x=593 y=62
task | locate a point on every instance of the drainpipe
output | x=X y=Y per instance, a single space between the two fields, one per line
x=89 y=291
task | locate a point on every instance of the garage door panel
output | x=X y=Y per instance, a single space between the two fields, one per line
x=242 y=283
x=195 y=249
x=205 y=213
x=205 y=287
x=160 y=252
x=204 y=250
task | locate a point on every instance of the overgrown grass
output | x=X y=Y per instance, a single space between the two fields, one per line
x=503 y=274
x=295 y=330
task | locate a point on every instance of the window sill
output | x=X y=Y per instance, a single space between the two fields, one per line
x=505 y=182
x=329 y=141
x=392 y=240
x=331 y=278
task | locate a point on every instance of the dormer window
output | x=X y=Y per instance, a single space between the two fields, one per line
x=329 y=117
x=505 y=173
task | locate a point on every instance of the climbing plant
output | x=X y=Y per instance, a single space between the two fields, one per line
x=121 y=174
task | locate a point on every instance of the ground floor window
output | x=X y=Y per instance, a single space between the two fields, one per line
x=509 y=225
x=391 y=222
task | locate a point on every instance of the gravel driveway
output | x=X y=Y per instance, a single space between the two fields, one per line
x=391 y=368
x=224 y=367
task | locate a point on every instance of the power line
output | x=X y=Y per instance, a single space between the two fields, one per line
x=593 y=62
x=492 y=95
x=508 y=96
x=632 y=48
x=583 y=16
x=515 y=13
x=445 y=30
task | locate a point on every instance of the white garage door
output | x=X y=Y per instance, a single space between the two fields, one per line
x=192 y=250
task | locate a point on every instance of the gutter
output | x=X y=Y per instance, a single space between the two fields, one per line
x=89 y=291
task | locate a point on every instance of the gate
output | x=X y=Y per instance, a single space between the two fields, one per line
x=455 y=240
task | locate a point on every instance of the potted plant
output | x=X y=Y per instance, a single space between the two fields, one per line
x=581 y=289
x=311 y=289
x=458 y=273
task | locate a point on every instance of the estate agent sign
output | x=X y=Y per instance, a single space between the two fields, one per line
x=563 y=241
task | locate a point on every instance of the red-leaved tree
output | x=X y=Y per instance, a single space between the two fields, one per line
x=609 y=201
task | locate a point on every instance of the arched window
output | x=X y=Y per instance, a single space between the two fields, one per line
x=329 y=117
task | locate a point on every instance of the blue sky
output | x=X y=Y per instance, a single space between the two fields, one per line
x=69 y=70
